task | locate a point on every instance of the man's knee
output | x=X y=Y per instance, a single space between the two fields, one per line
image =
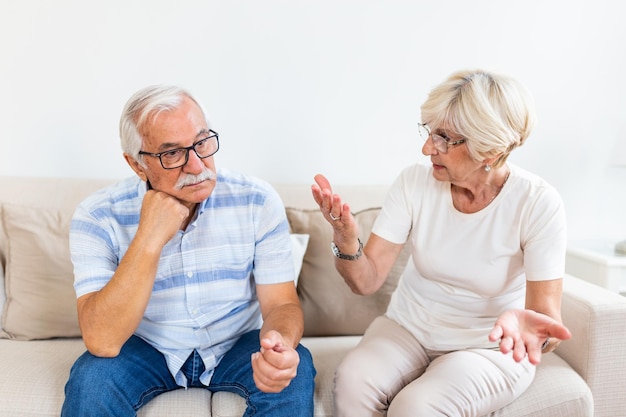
x=87 y=371
x=88 y=389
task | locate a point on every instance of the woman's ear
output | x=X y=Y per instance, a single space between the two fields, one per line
x=139 y=169
x=493 y=161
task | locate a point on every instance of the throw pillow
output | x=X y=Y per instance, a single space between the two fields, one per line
x=330 y=307
x=40 y=298
x=299 y=243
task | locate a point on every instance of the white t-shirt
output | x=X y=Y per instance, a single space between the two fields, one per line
x=466 y=269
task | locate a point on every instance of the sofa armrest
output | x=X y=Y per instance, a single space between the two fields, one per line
x=597 y=349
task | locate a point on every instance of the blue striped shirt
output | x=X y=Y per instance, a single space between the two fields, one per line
x=204 y=293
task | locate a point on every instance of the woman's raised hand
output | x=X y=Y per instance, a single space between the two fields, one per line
x=330 y=204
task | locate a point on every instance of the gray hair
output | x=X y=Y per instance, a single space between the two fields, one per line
x=493 y=111
x=142 y=108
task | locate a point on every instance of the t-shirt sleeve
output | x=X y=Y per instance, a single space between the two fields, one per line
x=394 y=222
x=544 y=236
x=273 y=262
x=92 y=252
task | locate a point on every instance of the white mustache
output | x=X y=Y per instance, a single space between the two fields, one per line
x=189 y=179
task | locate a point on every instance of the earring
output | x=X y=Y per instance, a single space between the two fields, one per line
x=487 y=167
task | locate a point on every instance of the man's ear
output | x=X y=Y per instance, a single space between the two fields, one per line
x=136 y=166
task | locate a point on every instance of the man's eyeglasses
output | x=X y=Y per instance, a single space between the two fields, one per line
x=176 y=158
x=441 y=142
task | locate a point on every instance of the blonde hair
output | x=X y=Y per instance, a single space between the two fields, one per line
x=493 y=112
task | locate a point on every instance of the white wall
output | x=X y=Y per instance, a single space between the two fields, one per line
x=295 y=88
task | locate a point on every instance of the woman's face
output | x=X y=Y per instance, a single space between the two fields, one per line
x=455 y=166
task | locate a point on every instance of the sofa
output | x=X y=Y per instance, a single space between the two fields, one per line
x=40 y=339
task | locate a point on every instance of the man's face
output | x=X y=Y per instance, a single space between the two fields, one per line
x=179 y=128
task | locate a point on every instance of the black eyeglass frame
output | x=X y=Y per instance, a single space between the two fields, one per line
x=442 y=143
x=212 y=134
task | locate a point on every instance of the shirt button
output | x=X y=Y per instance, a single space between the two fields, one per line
x=189 y=274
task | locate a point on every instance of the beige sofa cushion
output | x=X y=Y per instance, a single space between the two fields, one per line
x=40 y=299
x=330 y=308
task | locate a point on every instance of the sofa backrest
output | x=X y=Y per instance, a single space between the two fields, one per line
x=64 y=194
x=38 y=300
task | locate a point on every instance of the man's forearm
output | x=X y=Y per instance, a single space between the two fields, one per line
x=288 y=320
x=110 y=316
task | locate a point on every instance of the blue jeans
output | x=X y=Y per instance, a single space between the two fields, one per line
x=120 y=386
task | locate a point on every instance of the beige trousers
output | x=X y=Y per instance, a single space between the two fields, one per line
x=390 y=374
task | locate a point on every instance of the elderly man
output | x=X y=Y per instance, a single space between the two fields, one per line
x=184 y=276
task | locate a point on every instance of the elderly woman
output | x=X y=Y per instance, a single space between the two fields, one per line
x=479 y=301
